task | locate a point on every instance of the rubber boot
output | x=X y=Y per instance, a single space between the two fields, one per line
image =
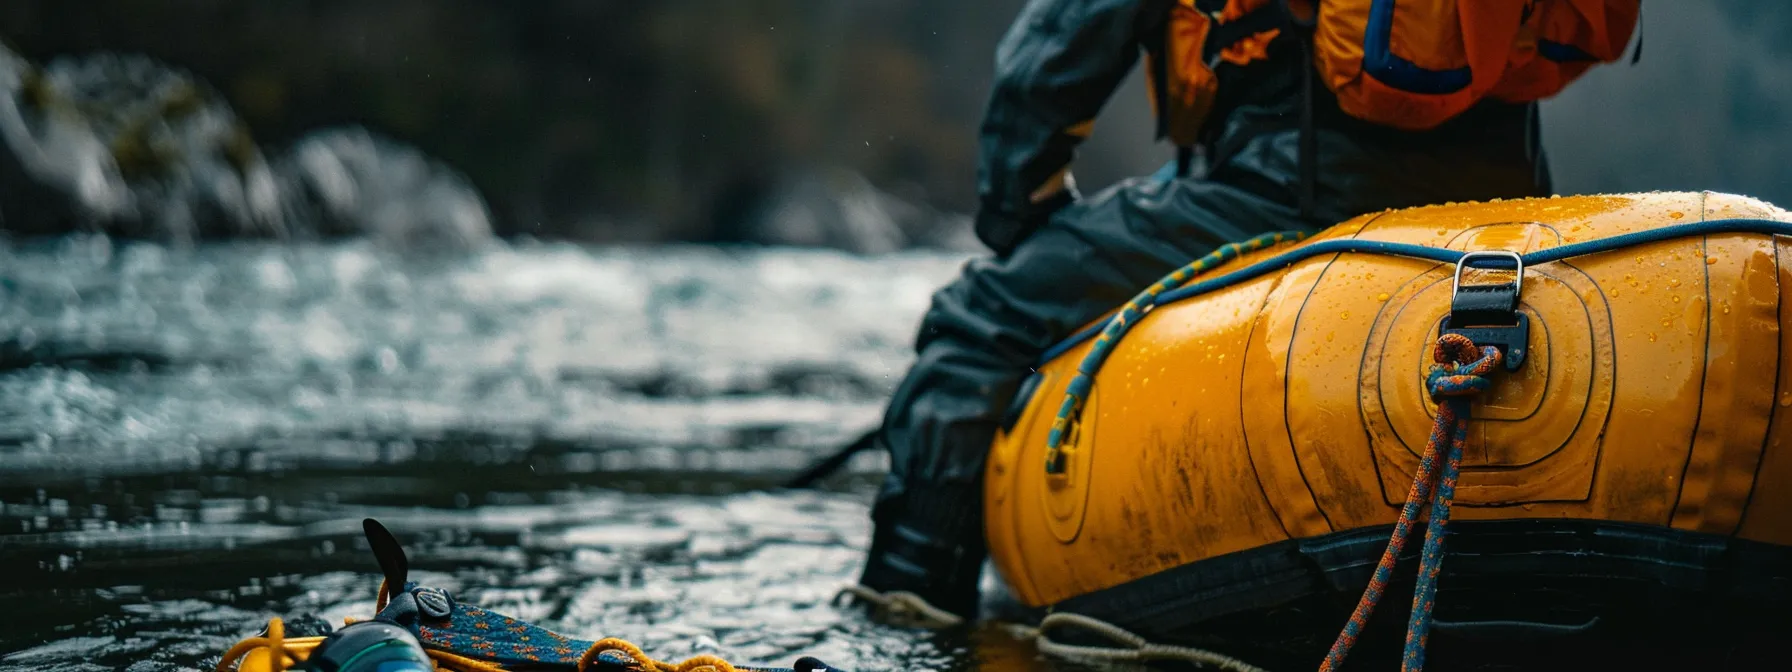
x=929 y=544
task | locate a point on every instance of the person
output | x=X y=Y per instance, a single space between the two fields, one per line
x=1277 y=152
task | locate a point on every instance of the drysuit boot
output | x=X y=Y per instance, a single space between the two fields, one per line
x=926 y=551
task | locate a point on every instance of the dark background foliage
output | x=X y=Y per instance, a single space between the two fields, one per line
x=662 y=120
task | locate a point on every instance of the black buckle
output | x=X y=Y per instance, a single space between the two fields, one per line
x=1488 y=314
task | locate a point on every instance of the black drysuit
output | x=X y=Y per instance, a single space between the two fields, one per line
x=1061 y=262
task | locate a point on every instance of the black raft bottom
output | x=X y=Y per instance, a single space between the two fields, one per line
x=1513 y=595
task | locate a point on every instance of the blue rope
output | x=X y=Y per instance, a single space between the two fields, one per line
x=1438 y=254
x=1123 y=319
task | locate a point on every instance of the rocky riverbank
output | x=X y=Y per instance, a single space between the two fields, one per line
x=130 y=147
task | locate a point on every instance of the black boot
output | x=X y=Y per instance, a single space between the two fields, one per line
x=930 y=544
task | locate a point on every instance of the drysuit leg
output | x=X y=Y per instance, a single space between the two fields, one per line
x=984 y=333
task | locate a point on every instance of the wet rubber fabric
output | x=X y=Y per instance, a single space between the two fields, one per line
x=984 y=332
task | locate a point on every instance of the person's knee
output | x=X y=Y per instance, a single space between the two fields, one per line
x=1013 y=308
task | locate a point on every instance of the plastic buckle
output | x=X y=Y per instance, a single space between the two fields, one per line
x=1488 y=314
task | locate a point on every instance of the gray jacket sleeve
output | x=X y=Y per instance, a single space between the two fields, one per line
x=1055 y=68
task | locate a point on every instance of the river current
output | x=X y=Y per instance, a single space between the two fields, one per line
x=585 y=437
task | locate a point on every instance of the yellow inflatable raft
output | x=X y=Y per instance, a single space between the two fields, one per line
x=1241 y=454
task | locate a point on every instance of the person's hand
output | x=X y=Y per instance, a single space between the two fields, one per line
x=1002 y=229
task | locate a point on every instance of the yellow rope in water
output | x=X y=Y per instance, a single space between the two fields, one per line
x=703 y=663
x=275 y=642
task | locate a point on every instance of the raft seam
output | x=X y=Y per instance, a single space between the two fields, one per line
x=1779 y=310
x=1692 y=443
x=1244 y=421
x=1287 y=372
x=1374 y=461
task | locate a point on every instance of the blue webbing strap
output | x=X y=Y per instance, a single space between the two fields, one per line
x=1437 y=254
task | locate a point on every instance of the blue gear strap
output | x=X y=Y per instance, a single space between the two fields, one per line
x=1437 y=254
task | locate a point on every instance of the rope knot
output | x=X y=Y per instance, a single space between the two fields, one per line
x=1461 y=370
x=1461 y=367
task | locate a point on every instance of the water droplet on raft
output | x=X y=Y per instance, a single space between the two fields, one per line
x=1613 y=292
x=1676 y=214
x=1652 y=336
x=1666 y=322
x=1786 y=398
x=1381 y=297
x=1710 y=260
x=1344 y=315
x=1675 y=298
x=1673 y=282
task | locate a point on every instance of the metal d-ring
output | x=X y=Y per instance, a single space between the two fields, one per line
x=1488 y=314
x=1517 y=263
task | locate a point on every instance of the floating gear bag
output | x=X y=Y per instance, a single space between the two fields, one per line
x=419 y=627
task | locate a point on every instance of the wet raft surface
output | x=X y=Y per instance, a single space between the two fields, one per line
x=188 y=440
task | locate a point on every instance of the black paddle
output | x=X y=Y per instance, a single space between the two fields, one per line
x=389 y=554
x=832 y=463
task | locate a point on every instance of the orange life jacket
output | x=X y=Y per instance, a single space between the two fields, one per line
x=1410 y=64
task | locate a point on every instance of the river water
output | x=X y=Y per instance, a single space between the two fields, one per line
x=585 y=437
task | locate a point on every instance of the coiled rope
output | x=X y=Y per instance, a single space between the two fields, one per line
x=1460 y=371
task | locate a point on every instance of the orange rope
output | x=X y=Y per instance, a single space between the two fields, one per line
x=274 y=642
x=702 y=663
x=1461 y=370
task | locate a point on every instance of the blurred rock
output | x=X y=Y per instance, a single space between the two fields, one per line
x=130 y=147
x=192 y=169
x=55 y=174
x=839 y=208
x=350 y=182
x=604 y=122
x=638 y=121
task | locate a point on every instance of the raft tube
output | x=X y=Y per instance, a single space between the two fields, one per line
x=1240 y=459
